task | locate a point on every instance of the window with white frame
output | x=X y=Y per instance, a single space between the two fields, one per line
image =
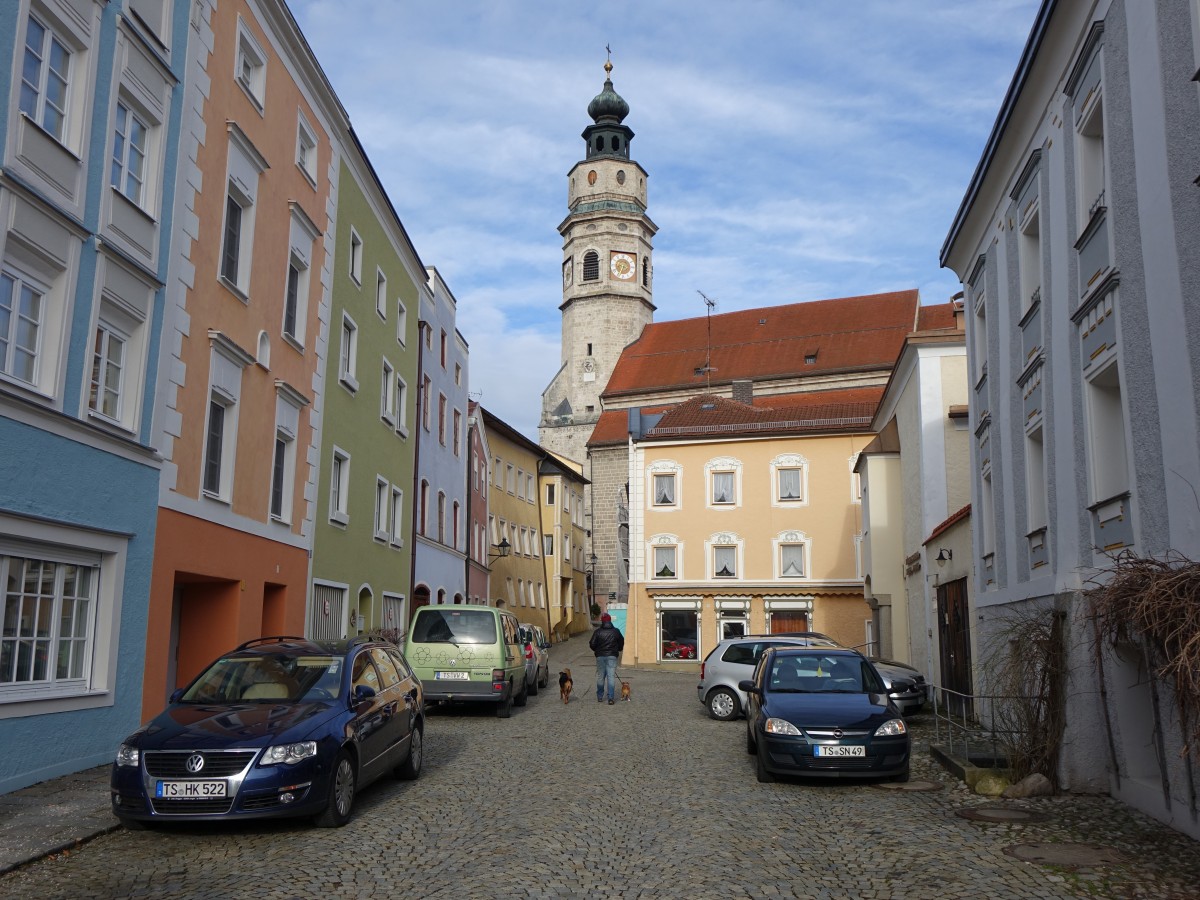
x=1106 y=440
x=127 y=172
x=401 y=323
x=356 y=256
x=348 y=353
x=423 y=507
x=534 y=543
x=1029 y=254
x=789 y=471
x=426 y=399
x=855 y=479
x=245 y=166
x=530 y=490
x=250 y=66
x=792 y=557
x=441 y=517
x=306 y=148
x=1035 y=479
x=664 y=489
x=46 y=74
x=302 y=234
x=520 y=485
x=397 y=536
x=457 y=434
x=381 y=299
x=401 y=405
x=283 y=469
x=664 y=559
x=383 y=507
x=979 y=336
x=725 y=561
x=22 y=315
x=46 y=640
x=220 y=439
x=339 y=487
x=442 y=419
x=723 y=488
x=387 y=393
x=106 y=391
x=455 y=510
x=987 y=502
x=550 y=495
x=1089 y=159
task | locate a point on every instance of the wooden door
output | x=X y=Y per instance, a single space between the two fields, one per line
x=954 y=638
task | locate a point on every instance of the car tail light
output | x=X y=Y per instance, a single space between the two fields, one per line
x=529 y=651
x=702 y=671
x=497 y=679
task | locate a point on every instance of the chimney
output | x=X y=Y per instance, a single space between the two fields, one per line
x=743 y=391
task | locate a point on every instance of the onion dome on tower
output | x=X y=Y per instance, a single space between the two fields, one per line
x=608 y=109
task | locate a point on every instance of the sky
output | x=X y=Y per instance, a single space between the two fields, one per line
x=796 y=149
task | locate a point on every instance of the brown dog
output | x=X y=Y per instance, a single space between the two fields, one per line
x=564 y=685
x=624 y=690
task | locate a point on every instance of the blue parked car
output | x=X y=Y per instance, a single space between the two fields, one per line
x=281 y=726
x=822 y=712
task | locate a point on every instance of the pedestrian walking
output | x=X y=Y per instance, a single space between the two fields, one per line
x=607 y=643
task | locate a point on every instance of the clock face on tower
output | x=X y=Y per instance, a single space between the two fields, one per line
x=622 y=266
x=567 y=272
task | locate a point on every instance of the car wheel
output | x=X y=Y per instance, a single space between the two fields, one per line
x=723 y=705
x=504 y=707
x=411 y=767
x=546 y=679
x=760 y=769
x=533 y=688
x=522 y=698
x=342 y=785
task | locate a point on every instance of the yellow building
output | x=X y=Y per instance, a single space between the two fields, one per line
x=564 y=540
x=744 y=518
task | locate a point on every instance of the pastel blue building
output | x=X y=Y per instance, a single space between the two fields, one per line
x=92 y=94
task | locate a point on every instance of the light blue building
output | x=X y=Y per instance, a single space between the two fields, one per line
x=92 y=93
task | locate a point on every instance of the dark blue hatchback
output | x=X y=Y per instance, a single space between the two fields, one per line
x=822 y=712
x=281 y=726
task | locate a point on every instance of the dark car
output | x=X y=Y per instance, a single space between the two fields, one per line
x=281 y=726
x=822 y=712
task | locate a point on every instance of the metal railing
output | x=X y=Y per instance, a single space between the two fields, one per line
x=966 y=726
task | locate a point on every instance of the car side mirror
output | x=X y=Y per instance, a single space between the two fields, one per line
x=176 y=695
x=748 y=687
x=363 y=692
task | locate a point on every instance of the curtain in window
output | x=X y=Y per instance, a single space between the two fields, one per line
x=789 y=484
x=792 y=560
x=722 y=487
x=664 y=490
x=725 y=562
x=664 y=562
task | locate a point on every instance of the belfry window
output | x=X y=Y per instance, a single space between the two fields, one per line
x=591 y=266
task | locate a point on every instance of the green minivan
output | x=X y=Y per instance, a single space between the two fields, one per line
x=468 y=654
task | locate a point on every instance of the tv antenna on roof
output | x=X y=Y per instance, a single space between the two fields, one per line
x=707 y=369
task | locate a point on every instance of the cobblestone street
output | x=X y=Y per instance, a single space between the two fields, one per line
x=643 y=799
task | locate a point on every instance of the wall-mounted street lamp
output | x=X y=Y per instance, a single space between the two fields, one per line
x=502 y=549
x=944 y=556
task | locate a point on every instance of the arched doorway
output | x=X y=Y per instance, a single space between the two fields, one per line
x=420 y=598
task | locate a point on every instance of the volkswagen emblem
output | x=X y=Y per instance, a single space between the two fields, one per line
x=195 y=763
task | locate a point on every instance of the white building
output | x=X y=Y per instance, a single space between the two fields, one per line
x=1075 y=247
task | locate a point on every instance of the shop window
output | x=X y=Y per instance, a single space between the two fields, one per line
x=679 y=634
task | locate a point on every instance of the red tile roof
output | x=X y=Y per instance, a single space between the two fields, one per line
x=940 y=315
x=848 y=334
x=709 y=415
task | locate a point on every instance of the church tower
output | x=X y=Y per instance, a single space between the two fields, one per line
x=607 y=275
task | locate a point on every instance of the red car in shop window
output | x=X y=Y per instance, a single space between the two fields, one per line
x=681 y=648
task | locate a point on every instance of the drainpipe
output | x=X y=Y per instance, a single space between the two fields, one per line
x=416 y=494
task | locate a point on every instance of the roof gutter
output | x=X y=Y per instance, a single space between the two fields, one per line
x=1015 y=87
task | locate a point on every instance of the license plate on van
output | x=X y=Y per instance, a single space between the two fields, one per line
x=452 y=676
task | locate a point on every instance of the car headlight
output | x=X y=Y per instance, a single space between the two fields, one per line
x=780 y=726
x=287 y=754
x=128 y=755
x=891 y=728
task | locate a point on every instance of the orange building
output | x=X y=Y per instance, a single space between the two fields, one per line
x=242 y=346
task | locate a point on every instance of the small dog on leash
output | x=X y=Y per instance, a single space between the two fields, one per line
x=564 y=685
x=624 y=690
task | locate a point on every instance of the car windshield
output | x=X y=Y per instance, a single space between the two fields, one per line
x=815 y=673
x=454 y=626
x=269 y=678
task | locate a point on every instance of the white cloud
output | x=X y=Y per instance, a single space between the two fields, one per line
x=795 y=151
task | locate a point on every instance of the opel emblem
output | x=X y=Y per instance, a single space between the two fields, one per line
x=195 y=763
x=837 y=733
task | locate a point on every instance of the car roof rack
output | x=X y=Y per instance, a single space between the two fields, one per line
x=276 y=638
